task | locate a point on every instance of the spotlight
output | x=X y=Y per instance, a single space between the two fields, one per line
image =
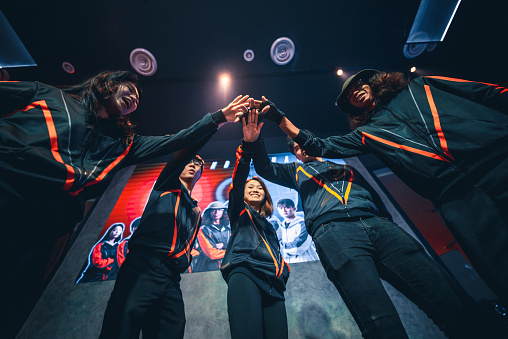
x=226 y=164
x=413 y=69
x=67 y=67
x=282 y=51
x=224 y=79
x=143 y=62
x=214 y=165
x=340 y=72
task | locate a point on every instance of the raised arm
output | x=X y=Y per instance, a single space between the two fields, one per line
x=149 y=147
x=333 y=147
x=281 y=174
x=241 y=171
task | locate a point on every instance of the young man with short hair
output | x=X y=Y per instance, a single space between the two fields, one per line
x=295 y=243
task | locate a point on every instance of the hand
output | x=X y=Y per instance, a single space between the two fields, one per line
x=251 y=129
x=269 y=110
x=235 y=108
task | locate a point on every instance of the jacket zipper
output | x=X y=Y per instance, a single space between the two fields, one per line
x=84 y=155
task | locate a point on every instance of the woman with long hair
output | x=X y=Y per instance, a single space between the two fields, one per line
x=60 y=147
x=253 y=266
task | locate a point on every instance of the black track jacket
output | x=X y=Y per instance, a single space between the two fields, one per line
x=253 y=244
x=328 y=191
x=50 y=155
x=438 y=134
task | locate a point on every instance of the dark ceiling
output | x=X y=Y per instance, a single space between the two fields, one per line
x=195 y=41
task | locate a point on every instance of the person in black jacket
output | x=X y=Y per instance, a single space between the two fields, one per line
x=58 y=148
x=358 y=244
x=103 y=261
x=253 y=266
x=213 y=237
x=147 y=295
x=446 y=139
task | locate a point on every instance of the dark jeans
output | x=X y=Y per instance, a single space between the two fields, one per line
x=146 y=297
x=356 y=254
x=252 y=313
x=479 y=223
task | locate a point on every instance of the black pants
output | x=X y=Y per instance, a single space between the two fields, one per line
x=479 y=223
x=253 y=313
x=147 y=298
x=356 y=254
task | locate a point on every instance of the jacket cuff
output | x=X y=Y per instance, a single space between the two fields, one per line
x=218 y=117
x=301 y=138
x=248 y=147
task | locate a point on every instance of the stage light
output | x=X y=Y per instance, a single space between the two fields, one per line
x=413 y=69
x=226 y=164
x=214 y=164
x=340 y=72
x=224 y=79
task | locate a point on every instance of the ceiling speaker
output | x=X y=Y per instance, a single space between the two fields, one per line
x=282 y=51
x=248 y=55
x=143 y=62
x=413 y=50
x=67 y=67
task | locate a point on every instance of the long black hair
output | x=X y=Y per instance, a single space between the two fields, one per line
x=94 y=91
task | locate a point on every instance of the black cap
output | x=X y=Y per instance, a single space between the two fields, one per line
x=364 y=74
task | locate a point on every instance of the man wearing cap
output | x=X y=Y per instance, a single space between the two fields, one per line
x=445 y=138
x=213 y=237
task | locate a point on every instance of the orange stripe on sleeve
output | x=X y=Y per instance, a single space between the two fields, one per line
x=437 y=123
x=462 y=80
x=111 y=166
x=53 y=137
x=406 y=148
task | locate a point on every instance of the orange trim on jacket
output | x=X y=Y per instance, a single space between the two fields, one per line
x=403 y=147
x=278 y=271
x=175 y=231
x=325 y=186
x=504 y=89
x=53 y=137
x=208 y=249
x=437 y=123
